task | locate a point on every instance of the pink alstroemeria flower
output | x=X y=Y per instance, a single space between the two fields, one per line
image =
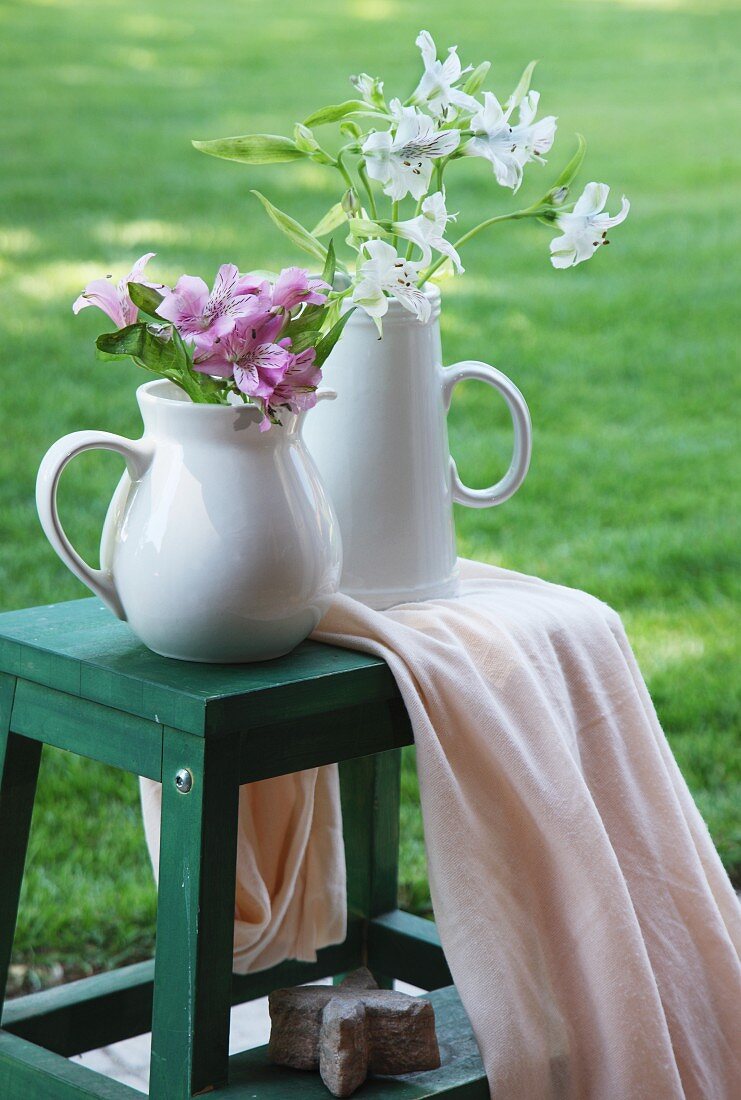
x=113 y=298
x=251 y=356
x=257 y=317
x=293 y=287
x=297 y=388
x=194 y=310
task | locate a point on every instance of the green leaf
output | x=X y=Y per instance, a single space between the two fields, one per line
x=253 y=149
x=154 y=345
x=295 y=232
x=160 y=349
x=363 y=228
x=108 y=357
x=335 y=216
x=145 y=298
x=308 y=339
x=351 y=129
x=326 y=344
x=567 y=176
x=337 y=111
x=311 y=319
x=523 y=87
x=477 y=78
x=330 y=264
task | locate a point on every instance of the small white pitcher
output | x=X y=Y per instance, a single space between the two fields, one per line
x=382 y=450
x=220 y=543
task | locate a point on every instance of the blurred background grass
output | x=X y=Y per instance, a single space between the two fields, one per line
x=627 y=362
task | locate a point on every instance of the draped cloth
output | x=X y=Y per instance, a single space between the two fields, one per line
x=290 y=896
x=588 y=923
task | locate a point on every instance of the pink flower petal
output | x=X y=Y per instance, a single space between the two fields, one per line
x=102 y=293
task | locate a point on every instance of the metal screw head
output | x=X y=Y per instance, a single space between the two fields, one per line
x=184 y=780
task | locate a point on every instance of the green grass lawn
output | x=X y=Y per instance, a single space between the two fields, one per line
x=626 y=361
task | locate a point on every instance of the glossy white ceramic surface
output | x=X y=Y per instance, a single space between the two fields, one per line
x=220 y=543
x=382 y=450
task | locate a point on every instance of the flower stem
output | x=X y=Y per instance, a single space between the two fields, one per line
x=394 y=218
x=417 y=212
x=529 y=212
x=363 y=176
x=340 y=166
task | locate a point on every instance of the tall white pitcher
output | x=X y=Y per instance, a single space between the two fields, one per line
x=382 y=450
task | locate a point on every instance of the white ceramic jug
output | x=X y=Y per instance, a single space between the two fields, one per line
x=382 y=451
x=220 y=543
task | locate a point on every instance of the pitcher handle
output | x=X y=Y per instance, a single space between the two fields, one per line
x=138 y=455
x=518 y=467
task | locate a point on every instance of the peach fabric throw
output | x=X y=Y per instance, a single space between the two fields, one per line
x=587 y=920
x=586 y=917
x=290 y=898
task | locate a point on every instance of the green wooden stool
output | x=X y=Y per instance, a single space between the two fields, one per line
x=73 y=677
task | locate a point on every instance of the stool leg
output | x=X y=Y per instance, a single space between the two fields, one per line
x=19 y=769
x=370 y=814
x=195 y=916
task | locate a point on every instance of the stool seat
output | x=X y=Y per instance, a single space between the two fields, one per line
x=75 y=678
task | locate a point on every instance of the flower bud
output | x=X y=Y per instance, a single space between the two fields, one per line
x=305 y=139
x=350 y=202
x=370 y=88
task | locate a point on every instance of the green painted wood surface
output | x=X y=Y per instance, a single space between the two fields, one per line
x=88 y=729
x=323 y=739
x=105 y=1008
x=19 y=769
x=195 y=917
x=370 y=789
x=408 y=947
x=81 y=649
x=460 y=1077
x=29 y=1073
x=86 y=1014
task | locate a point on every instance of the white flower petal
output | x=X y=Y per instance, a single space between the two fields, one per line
x=465 y=102
x=426 y=46
x=413 y=299
x=412 y=126
x=529 y=108
x=563 y=256
x=447 y=250
x=592 y=199
x=609 y=222
x=450 y=69
x=370 y=297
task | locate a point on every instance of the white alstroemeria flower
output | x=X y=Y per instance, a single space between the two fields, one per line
x=402 y=162
x=585 y=228
x=386 y=271
x=437 y=87
x=493 y=141
x=428 y=228
x=532 y=138
x=508 y=148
